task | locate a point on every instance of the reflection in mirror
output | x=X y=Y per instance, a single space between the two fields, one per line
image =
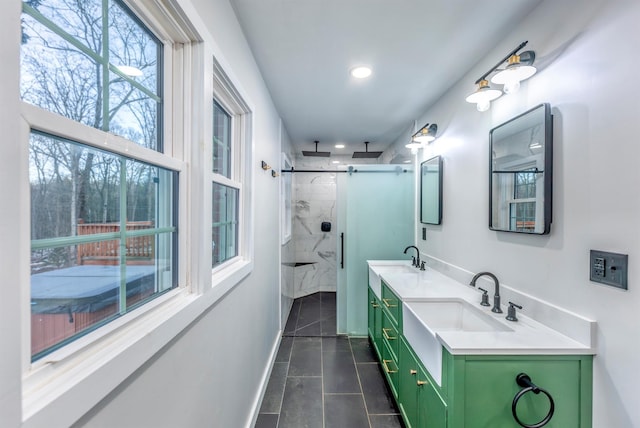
x=431 y=191
x=520 y=179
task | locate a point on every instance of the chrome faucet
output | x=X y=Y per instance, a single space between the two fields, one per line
x=416 y=260
x=496 y=295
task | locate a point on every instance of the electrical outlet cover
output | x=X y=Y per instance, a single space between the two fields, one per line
x=609 y=268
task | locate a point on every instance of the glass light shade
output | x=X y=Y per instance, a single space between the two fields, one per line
x=483 y=105
x=414 y=147
x=511 y=87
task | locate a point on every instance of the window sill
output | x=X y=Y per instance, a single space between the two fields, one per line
x=66 y=384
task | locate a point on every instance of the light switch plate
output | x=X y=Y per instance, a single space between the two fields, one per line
x=609 y=268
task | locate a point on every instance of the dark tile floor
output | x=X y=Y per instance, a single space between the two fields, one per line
x=320 y=380
x=313 y=315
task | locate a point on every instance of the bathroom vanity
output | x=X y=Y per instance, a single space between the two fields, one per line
x=452 y=363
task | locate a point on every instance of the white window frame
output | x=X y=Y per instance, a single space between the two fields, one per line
x=226 y=94
x=76 y=372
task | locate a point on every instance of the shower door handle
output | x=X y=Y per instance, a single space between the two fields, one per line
x=342 y=250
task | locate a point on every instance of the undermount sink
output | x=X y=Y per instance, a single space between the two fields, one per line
x=454 y=315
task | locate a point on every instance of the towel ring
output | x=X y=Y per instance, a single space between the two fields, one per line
x=524 y=381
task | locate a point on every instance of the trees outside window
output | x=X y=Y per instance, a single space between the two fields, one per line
x=103 y=224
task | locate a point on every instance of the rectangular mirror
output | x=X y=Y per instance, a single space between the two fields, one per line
x=521 y=173
x=431 y=191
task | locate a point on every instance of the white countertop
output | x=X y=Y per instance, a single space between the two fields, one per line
x=525 y=337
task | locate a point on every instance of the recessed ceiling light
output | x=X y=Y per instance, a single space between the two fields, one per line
x=335 y=162
x=361 y=72
x=339 y=146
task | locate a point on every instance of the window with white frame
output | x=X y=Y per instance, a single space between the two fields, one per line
x=229 y=172
x=103 y=215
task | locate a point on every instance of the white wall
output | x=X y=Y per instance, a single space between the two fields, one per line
x=211 y=373
x=587 y=71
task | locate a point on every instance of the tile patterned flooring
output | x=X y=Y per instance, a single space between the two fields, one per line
x=320 y=380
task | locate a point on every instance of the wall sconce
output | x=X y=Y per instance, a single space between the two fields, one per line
x=424 y=136
x=519 y=67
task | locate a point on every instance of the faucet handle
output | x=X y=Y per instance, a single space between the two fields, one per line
x=422 y=265
x=485 y=297
x=511 y=312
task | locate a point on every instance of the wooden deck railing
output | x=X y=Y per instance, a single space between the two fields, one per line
x=139 y=249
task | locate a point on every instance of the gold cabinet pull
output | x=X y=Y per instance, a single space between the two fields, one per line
x=387 y=304
x=413 y=372
x=422 y=382
x=374 y=304
x=385 y=333
x=386 y=367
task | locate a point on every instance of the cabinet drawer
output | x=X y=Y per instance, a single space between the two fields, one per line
x=390 y=369
x=390 y=334
x=392 y=305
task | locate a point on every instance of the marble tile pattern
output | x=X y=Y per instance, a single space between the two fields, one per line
x=314 y=202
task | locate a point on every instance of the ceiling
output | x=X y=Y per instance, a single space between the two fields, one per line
x=416 y=48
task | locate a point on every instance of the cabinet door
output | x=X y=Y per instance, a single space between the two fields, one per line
x=432 y=411
x=390 y=368
x=489 y=389
x=408 y=389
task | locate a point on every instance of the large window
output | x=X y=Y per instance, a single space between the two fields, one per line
x=100 y=246
x=103 y=215
x=230 y=178
x=94 y=62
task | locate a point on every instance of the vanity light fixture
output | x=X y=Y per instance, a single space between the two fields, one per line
x=519 y=67
x=423 y=137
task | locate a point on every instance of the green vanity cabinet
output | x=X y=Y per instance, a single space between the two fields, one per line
x=482 y=389
x=418 y=399
x=476 y=391
x=375 y=323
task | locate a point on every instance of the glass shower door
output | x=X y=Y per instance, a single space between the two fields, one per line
x=375 y=222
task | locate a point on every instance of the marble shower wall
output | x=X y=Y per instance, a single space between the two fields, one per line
x=314 y=196
x=314 y=202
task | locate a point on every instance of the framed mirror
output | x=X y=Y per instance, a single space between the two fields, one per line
x=520 y=175
x=431 y=191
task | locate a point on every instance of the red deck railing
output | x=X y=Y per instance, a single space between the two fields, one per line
x=139 y=249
